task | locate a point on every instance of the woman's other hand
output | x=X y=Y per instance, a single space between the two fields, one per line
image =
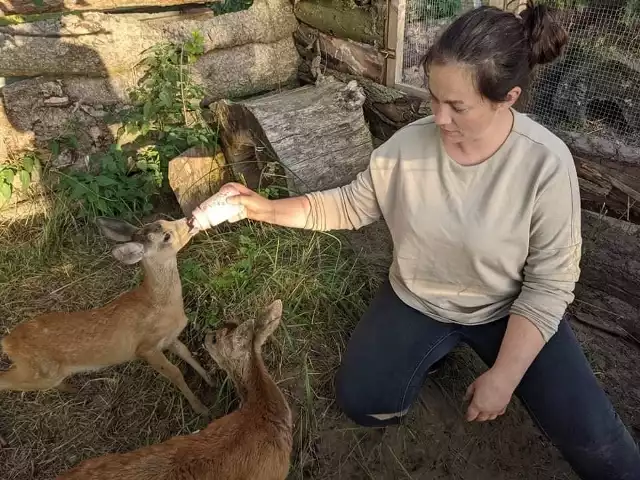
x=490 y=395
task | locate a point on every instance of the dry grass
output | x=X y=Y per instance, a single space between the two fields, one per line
x=52 y=262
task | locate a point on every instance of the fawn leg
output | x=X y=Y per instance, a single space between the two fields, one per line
x=164 y=367
x=181 y=350
x=23 y=379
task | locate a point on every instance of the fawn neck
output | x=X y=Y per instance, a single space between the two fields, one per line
x=162 y=280
x=259 y=391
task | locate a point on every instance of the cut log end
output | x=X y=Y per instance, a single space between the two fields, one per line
x=309 y=138
x=246 y=145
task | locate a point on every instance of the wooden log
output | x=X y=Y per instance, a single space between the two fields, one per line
x=386 y=109
x=610 y=184
x=100 y=45
x=316 y=134
x=362 y=21
x=594 y=146
x=608 y=292
x=21 y=7
x=345 y=56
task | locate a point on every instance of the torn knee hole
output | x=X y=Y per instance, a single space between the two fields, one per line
x=389 y=416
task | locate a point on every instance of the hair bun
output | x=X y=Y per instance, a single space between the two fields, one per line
x=546 y=36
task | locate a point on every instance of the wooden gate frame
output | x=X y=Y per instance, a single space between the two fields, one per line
x=394 y=43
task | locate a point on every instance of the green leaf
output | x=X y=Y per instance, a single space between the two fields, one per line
x=144 y=129
x=8 y=175
x=165 y=98
x=27 y=164
x=54 y=146
x=25 y=179
x=147 y=109
x=105 y=181
x=38 y=3
x=5 y=191
x=101 y=205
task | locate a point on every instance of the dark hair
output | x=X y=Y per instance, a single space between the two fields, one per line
x=501 y=47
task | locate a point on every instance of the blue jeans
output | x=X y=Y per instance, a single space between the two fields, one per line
x=393 y=347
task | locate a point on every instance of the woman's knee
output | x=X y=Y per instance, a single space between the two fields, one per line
x=355 y=400
x=349 y=398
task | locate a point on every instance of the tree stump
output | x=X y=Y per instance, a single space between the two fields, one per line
x=195 y=175
x=314 y=136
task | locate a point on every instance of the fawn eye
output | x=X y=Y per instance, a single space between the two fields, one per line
x=167 y=237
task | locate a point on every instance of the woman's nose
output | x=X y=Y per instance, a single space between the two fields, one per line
x=441 y=117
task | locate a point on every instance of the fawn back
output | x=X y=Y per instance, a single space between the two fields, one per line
x=253 y=442
x=140 y=323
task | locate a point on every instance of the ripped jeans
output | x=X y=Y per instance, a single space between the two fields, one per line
x=393 y=347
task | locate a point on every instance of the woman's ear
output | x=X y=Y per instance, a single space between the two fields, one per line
x=512 y=97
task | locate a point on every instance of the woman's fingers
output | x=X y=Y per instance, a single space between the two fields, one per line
x=241 y=189
x=483 y=417
x=237 y=199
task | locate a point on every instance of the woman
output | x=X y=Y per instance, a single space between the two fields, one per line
x=484 y=210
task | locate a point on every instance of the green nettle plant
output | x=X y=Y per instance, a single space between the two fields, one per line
x=164 y=115
x=22 y=170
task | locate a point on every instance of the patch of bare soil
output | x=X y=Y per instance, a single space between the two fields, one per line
x=436 y=443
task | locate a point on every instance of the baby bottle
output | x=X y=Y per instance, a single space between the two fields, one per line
x=215 y=209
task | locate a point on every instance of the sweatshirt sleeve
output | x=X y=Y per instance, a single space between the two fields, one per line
x=552 y=267
x=349 y=207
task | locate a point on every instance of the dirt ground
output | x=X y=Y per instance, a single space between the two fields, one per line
x=129 y=406
x=434 y=442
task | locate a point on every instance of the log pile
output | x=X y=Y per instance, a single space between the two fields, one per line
x=82 y=65
x=21 y=7
x=386 y=109
x=97 y=44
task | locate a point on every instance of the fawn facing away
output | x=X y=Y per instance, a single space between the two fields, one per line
x=252 y=443
x=139 y=324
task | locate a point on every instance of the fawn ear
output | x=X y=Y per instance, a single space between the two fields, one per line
x=128 y=253
x=268 y=322
x=116 y=230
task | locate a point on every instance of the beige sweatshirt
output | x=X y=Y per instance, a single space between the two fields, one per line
x=471 y=243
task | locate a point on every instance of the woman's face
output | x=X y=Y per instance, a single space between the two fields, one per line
x=461 y=113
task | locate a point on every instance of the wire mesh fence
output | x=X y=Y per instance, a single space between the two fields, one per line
x=593 y=89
